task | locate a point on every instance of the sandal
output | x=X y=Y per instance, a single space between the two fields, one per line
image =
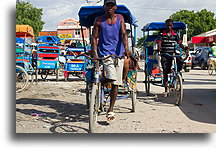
x=111 y=116
x=165 y=94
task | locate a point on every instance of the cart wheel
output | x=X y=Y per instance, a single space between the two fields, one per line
x=147 y=82
x=94 y=107
x=44 y=74
x=178 y=89
x=88 y=94
x=30 y=82
x=133 y=98
x=36 y=74
x=210 y=69
x=21 y=78
x=57 y=75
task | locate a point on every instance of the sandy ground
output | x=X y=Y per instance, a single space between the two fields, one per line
x=64 y=108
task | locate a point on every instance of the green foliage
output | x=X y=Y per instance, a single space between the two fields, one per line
x=197 y=22
x=27 y=14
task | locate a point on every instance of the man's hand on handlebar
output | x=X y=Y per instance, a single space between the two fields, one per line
x=186 y=48
x=127 y=53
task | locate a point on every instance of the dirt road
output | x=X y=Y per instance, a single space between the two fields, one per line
x=61 y=108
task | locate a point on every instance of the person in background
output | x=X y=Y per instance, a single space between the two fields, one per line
x=166 y=42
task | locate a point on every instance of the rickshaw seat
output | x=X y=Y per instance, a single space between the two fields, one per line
x=150 y=50
x=46 y=55
x=48 y=59
x=75 y=61
x=22 y=60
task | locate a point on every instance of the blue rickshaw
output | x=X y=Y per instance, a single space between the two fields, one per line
x=97 y=95
x=47 y=58
x=24 y=40
x=75 y=66
x=153 y=74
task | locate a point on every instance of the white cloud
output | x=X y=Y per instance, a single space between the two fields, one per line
x=144 y=10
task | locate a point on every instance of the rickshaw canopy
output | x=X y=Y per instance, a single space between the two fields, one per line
x=161 y=25
x=24 y=31
x=48 y=39
x=87 y=14
x=20 y=40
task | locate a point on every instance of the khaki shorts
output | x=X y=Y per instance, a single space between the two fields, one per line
x=114 y=69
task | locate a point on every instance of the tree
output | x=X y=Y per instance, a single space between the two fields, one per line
x=197 y=22
x=27 y=14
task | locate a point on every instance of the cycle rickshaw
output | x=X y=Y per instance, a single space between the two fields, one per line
x=73 y=65
x=97 y=94
x=24 y=37
x=153 y=74
x=47 y=59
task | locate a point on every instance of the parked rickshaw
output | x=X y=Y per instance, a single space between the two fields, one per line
x=24 y=39
x=75 y=66
x=97 y=94
x=153 y=74
x=47 y=58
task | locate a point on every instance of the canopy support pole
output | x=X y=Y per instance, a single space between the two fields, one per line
x=83 y=39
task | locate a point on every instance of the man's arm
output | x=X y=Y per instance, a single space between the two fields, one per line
x=95 y=34
x=124 y=36
x=159 y=41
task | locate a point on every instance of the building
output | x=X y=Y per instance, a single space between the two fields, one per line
x=70 y=30
x=46 y=33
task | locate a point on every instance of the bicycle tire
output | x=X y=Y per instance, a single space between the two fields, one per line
x=44 y=74
x=147 y=82
x=210 y=69
x=94 y=107
x=21 y=76
x=87 y=95
x=133 y=98
x=57 y=75
x=30 y=81
x=178 y=90
x=36 y=74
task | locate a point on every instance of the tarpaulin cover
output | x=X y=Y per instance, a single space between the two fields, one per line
x=48 y=39
x=22 y=30
x=161 y=25
x=87 y=14
x=20 y=40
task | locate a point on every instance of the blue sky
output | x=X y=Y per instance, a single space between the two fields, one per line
x=144 y=10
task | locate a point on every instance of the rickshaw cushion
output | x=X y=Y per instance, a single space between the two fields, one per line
x=48 y=59
x=150 y=64
x=150 y=50
x=48 y=55
x=22 y=60
x=75 y=61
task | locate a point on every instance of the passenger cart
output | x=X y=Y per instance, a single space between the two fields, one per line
x=47 y=58
x=75 y=66
x=97 y=94
x=24 y=39
x=153 y=70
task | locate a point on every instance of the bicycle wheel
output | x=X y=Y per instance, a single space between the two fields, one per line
x=44 y=74
x=94 y=107
x=30 y=81
x=21 y=78
x=147 y=82
x=133 y=98
x=57 y=75
x=210 y=69
x=178 y=89
x=88 y=93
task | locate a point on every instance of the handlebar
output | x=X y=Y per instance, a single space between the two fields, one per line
x=178 y=55
x=98 y=59
x=174 y=55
